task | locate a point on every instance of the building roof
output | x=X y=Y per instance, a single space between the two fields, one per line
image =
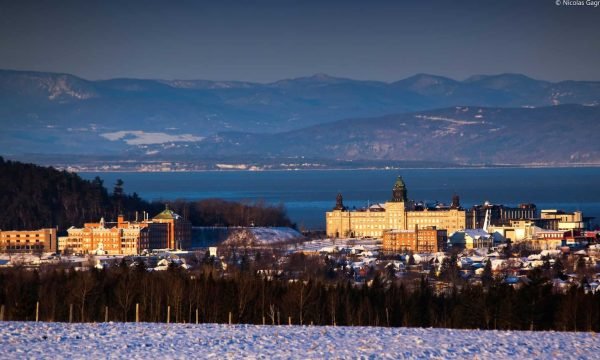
x=400 y=231
x=399 y=184
x=167 y=214
x=378 y=206
x=477 y=233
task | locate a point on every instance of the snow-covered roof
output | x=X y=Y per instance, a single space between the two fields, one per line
x=477 y=233
x=377 y=206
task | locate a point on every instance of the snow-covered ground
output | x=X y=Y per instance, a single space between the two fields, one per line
x=335 y=245
x=118 y=340
x=261 y=236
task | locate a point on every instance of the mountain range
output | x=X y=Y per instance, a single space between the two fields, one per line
x=485 y=119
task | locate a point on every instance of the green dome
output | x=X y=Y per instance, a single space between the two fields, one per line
x=167 y=214
x=399 y=184
x=399 y=193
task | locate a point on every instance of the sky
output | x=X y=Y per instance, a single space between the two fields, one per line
x=264 y=41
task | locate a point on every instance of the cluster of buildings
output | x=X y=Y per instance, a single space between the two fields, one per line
x=406 y=225
x=402 y=224
x=166 y=230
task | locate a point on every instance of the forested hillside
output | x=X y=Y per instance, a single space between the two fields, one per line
x=462 y=134
x=33 y=197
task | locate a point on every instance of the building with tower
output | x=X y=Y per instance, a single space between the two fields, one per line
x=179 y=230
x=399 y=213
x=122 y=238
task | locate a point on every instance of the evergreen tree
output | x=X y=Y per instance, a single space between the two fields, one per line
x=118 y=196
x=487 y=276
x=558 y=268
x=449 y=269
x=411 y=259
x=580 y=265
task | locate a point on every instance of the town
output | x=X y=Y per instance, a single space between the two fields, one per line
x=299 y=179
x=400 y=239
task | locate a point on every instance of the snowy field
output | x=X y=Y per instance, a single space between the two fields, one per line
x=137 y=341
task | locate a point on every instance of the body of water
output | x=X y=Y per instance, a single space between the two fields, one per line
x=308 y=194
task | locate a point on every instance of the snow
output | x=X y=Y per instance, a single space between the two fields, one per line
x=139 y=137
x=450 y=120
x=262 y=236
x=354 y=246
x=268 y=235
x=151 y=340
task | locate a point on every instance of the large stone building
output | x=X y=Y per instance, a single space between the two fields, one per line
x=427 y=240
x=167 y=230
x=122 y=238
x=397 y=214
x=43 y=240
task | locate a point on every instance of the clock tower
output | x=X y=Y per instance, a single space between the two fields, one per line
x=399 y=191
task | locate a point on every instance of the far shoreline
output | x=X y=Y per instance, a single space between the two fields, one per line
x=466 y=167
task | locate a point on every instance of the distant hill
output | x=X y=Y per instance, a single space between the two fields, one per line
x=49 y=113
x=462 y=135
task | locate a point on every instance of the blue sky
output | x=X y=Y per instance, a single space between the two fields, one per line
x=265 y=41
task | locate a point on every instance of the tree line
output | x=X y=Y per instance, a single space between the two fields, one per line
x=33 y=197
x=246 y=297
x=218 y=212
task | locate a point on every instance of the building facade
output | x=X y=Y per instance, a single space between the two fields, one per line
x=474 y=239
x=397 y=214
x=179 y=230
x=498 y=214
x=123 y=238
x=561 y=220
x=428 y=240
x=167 y=230
x=546 y=240
x=43 y=240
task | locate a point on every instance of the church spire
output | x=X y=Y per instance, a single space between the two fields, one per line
x=455 y=202
x=339 y=202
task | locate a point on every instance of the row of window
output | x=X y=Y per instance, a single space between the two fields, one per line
x=7 y=235
x=24 y=247
x=18 y=240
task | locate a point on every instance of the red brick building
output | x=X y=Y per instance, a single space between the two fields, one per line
x=419 y=240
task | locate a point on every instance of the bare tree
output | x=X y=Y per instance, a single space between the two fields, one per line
x=125 y=292
x=82 y=289
x=272 y=313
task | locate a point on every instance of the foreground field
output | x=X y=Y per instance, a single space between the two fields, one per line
x=148 y=340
